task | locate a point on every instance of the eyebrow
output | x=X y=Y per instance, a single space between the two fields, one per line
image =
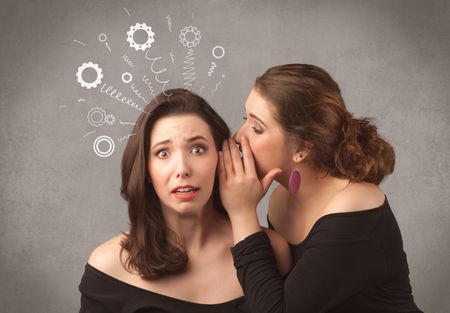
x=257 y=118
x=194 y=138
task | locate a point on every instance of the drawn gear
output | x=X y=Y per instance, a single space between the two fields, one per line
x=96 y=68
x=110 y=119
x=190 y=43
x=96 y=122
x=133 y=43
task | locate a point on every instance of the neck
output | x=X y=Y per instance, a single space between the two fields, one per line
x=193 y=229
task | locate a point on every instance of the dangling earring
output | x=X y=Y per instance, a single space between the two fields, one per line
x=294 y=182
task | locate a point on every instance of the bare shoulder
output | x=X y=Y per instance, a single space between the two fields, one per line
x=277 y=203
x=106 y=257
x=357 y=197
x=281 y=250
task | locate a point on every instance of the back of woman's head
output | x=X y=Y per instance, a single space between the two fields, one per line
x=153 y=249
x=310 y=108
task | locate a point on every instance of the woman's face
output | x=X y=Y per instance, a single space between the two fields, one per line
x=265 y=135
x=182 y=163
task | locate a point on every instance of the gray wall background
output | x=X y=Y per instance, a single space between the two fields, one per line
x=59 y=200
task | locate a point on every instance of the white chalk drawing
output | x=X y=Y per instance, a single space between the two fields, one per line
x=110 y=119
x=169 y=22
x=126 y=123
x=98 y=141
x=148 y=83
x=201 y=89
x=62 y=106
x=221 y=51
x=90 y=133
x=97 y=80
x=190 y=43
x=127 y=60
x=138 y=93
x=96 y=116
x=127 y=77
x=103 y=38
x=125 y=9
x=211 y=69
x=81 y=100
x=81 y=43
x=189 y=73
x=120 y=139
x=216 y=88
x=157 y=73
x=133 y=43
x=172 y=57
x=117 y=95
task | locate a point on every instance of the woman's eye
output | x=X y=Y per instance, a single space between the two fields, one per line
x=198 y=149
x=257 y=131
x=162 y=154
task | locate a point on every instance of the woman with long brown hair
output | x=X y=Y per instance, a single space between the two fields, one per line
x=176 y=256
x=345 y=242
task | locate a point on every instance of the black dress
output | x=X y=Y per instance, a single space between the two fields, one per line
x=349 y=262
x=101 y=293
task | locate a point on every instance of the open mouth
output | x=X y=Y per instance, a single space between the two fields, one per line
x=185 y=190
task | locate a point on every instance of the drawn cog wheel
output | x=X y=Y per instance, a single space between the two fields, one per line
x=97 y=80
x=190 y=43
x=145 y=45
x=96 y=117
x=110 y=119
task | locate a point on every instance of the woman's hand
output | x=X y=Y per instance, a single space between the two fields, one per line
x=240 y=187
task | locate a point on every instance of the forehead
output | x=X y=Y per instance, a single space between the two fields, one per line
x=259 y=106
x=179 y=128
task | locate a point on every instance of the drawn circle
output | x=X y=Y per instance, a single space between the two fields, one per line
x=102 y=36
x=97 y=80
x=127 y=77
x=219 y=48
x=110 y=119
x=100 y=153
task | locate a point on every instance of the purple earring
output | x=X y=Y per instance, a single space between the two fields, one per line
x=294 y=182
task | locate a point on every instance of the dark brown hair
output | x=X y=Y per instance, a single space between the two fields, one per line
x=153 y=249
x=310 y=108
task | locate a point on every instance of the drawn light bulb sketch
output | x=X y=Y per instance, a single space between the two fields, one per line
x=97 y=80
x=145 y=45
x=107 y=152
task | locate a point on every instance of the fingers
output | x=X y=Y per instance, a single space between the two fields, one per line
x=267 y=180
x=236 y=157
x=221 y=169
x=249 y=163
x=227 y=161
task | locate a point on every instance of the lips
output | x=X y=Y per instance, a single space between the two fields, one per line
x=186 y=192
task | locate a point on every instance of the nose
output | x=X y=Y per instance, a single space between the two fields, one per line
x=238 y=134
x=183 y=169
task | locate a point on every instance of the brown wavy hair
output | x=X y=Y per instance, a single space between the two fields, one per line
x=310 y=108
x=153 y=249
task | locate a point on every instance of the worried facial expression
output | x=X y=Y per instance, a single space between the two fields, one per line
x=182 y=163
x=265 y=135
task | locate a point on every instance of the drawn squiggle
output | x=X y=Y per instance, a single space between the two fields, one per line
x=211 y=69
x=189 y=73
x=169 y=22
x=138 y=93
x=81 y=43
x=127 y=11
x=126 y=123
x=120 y=139
x=172 y=57
x=127 y=60
x=164 y=83
x=90 y=133
x=81 y=100
x=216 y=88
x=148 y=83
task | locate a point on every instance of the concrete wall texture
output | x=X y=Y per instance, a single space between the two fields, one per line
x=59 y=199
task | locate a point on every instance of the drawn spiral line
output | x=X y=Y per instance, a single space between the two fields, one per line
x=189 y=73
x=120 y=139
x=148 y=83
x=211 y=69
x=127 y=60
x=153 y=60
x=169 y=22
x=138 y=93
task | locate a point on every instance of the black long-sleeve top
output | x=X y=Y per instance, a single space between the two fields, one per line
x=349 y=262
x=101 y=293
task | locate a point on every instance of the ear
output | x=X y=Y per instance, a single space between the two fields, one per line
x=301 y=151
